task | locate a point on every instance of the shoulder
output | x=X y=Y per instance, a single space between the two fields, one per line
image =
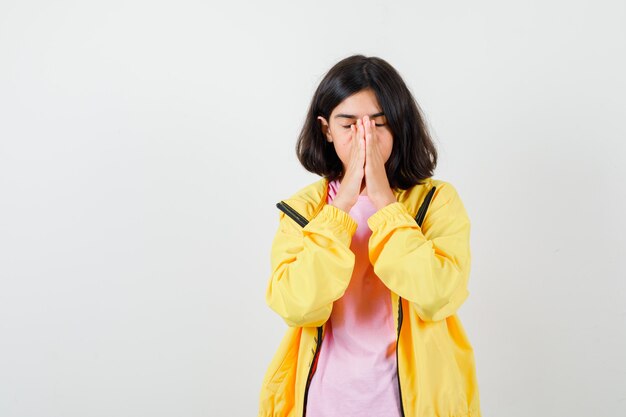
x=445 y=191
x=445 y=196
x=309 y=199
x=446 y=201
x=415 y=195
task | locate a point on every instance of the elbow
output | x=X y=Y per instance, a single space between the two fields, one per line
x=428 y=313
x=297 y=315
x=294 y=318
x=304 y=297
x=440 y=311
x=440 y=308
x=314 y=319
x=444 y=300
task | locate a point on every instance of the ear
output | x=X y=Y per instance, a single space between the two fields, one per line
x=325 y=128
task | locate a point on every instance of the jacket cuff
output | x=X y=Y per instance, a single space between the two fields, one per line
x=339 y=221
x=395 y=214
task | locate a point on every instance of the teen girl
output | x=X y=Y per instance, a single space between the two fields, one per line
x=370 y=263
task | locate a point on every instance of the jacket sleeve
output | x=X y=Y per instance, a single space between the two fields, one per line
x=311 y=266
x=429 y=267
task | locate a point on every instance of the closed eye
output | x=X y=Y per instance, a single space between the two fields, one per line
x=377 y=124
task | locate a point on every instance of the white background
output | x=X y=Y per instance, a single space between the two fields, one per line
x=144 y=145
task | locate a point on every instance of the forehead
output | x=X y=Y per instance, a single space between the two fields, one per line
x=358 y=105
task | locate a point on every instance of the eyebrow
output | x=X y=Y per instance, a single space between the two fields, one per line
x=351 y=116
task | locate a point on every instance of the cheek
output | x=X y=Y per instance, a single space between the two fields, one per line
x=342 y=148
x=386 y=143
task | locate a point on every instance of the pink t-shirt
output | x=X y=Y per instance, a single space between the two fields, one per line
x=356 y=368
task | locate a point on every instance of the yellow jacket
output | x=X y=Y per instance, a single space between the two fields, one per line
x=426 y=270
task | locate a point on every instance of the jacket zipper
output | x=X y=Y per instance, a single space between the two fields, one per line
x=310 y=375
x=302 y=221
x=419 y=219
x=397 y=359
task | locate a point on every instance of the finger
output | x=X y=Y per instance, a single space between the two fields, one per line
x=354 y=145
x=367 y=139
x=360 y=133
x=362 y=137
x=368 y=130
x=373 y=137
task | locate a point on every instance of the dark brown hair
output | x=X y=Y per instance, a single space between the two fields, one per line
x=413 y=156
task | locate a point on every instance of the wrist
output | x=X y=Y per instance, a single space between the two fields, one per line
x=384 y=201
x=342 y=205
